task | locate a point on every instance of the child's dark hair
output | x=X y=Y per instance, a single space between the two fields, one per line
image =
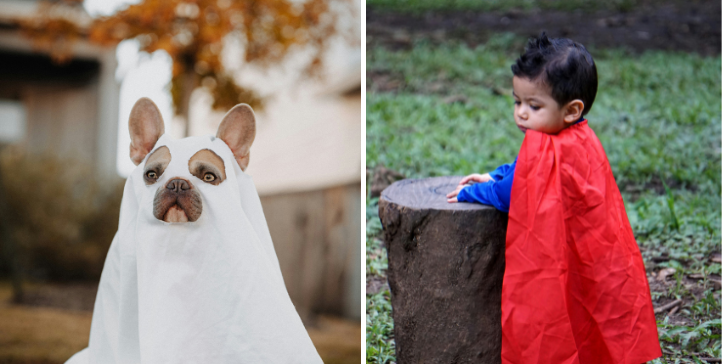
x=564 y=65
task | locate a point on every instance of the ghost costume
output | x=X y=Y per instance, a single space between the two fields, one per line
x=208 y=291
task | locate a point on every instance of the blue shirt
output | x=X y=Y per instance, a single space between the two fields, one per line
x=496 y=193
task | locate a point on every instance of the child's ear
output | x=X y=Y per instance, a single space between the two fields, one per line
x=573 y=111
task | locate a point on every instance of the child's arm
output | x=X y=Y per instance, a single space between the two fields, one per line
x=491 y=191
x=502 y=170
x=494 y=175
x=478 y=178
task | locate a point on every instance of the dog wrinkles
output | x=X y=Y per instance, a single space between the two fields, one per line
x=177 y=201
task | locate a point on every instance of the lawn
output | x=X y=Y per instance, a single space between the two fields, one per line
x=446 y=109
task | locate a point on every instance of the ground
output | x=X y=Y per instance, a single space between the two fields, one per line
x=662 y=25
x=439 y=103
x=54 y=324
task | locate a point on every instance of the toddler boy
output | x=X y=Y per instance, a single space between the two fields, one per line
x=575 y=288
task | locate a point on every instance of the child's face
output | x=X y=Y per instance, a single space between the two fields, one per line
x=535 y=109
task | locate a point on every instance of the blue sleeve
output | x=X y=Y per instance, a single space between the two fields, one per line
x=495 y=193
x=501 y=171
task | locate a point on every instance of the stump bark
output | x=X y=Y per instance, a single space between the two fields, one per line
x=446 y=265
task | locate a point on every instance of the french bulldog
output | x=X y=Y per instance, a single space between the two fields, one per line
x=178 y=200
x=192 y=275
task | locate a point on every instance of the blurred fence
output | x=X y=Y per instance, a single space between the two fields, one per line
x=317 y=236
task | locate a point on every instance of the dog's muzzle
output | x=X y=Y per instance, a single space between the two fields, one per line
x=177 y=201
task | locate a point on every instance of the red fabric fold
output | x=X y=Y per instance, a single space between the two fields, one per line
x=575 y=288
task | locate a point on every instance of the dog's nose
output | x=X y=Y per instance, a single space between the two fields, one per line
x=178 y=185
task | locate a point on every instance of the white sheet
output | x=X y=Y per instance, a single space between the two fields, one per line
x=208 y=291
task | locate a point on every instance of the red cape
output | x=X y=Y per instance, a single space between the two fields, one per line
x=575 y=288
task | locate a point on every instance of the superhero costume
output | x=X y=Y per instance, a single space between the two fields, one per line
x=575 y=289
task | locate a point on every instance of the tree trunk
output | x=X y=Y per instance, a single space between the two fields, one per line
x=446 y=265
x=189 y=82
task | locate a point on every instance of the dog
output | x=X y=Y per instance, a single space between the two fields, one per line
x=192 y=275
x=178 y=200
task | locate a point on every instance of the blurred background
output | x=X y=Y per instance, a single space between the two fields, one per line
x=70 y=73
x=439 y=103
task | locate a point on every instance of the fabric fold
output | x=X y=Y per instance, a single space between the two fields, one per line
x=208 y=291
x=589 y=301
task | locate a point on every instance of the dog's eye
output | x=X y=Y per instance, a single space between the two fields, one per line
x=209 y=177
x=151 y=174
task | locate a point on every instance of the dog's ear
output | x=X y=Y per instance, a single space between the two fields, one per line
x=237 y=130
x=146 y=126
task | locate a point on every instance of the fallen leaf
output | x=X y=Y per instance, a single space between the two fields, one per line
x=664 y=273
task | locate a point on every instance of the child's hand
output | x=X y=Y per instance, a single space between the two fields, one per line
x=451 y=197
x=478 y=178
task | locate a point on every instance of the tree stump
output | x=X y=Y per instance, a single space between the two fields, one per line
x=446 y=265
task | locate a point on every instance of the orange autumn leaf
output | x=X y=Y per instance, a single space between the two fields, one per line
x=192 y=32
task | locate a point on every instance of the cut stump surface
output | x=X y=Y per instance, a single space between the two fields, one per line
x=446 y=265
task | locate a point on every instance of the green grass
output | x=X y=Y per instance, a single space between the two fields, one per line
x=380 y=347
x=657 y=115
x=416 y=6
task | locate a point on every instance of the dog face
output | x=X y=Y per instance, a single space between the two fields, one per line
x=177 y=199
